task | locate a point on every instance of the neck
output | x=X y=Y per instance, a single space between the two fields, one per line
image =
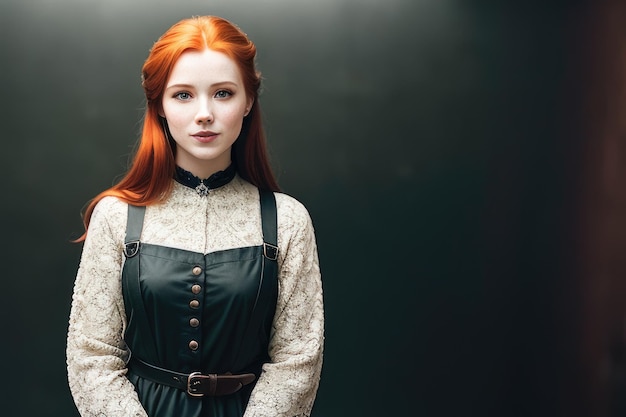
x=204 y=170
x=204 y=185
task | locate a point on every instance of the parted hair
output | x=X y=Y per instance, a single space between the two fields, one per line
x=149 y=177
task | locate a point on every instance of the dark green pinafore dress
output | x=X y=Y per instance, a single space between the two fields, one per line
x=192 y=312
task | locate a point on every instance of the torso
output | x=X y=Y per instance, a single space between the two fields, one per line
x=209 y=306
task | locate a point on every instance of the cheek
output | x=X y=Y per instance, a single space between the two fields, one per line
x=175 y=116
x=233 y=116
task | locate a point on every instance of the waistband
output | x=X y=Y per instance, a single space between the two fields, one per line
x=195 y=384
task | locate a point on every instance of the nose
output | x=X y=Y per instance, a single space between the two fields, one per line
x=204 y=113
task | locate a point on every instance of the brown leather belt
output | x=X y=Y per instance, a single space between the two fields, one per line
x=196 y=384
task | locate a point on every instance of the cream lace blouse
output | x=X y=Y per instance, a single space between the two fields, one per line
x=229 y=217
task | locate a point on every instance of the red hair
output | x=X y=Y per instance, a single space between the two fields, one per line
x=149 y=178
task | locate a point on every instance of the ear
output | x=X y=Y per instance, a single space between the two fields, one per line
x=249 y=106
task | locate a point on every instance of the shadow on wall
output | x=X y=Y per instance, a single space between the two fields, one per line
x=599 y=345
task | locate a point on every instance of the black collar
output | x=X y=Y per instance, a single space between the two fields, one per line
x=203 y=187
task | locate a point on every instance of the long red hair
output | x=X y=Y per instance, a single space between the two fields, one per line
x=149 y=178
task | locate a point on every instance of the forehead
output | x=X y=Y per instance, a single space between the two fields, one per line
x=207 y=66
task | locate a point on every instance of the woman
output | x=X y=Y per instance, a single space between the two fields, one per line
x=198 y=291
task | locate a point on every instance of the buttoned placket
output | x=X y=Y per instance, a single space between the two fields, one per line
x=194 y=304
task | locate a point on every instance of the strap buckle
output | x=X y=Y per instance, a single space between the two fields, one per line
x=131 y=248
x=270 y=251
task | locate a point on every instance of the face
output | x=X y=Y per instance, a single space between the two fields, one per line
x=204 y=103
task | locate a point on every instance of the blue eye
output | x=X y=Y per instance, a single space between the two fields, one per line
x=223 y=94
x=183 y=95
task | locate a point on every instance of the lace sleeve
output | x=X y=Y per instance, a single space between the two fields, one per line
x=288 y=383
x=96 y=353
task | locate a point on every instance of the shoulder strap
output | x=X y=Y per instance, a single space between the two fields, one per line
x=269 y=224
x=135 y=310
x=134 y=225
x=259 y=324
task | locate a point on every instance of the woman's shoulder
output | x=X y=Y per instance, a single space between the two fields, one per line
x=286 y=201
x=291 y=210
x=110 y=214
x=110 y=206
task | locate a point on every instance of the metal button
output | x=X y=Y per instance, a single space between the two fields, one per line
x=196 y=289
x=193 y=345
x=194 y=304
x=196 y=270
x=194 y=322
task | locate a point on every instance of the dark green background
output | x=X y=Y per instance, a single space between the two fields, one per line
x=431 y=141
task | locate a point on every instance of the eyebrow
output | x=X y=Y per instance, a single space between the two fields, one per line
x=189 y=86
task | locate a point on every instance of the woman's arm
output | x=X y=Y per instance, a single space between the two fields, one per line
x=96 y=352
x=288 y=383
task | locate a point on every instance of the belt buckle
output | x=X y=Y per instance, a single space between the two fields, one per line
x=193 y=382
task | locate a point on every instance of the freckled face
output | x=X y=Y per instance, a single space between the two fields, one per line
x=204 y=103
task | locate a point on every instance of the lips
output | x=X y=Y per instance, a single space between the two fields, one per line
x=204 y=136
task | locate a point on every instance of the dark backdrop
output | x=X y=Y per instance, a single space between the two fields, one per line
x=447 y=151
